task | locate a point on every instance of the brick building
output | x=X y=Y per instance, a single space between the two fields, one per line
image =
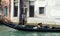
x=5 y=9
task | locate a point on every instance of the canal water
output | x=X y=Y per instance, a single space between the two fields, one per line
x=6 y=31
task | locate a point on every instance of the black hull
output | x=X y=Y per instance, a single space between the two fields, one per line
x=19 y=27
x=38 y=30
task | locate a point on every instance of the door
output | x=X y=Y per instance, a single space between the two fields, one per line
x=23 y=11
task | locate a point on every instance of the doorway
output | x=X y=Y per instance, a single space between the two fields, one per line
x=23 y=11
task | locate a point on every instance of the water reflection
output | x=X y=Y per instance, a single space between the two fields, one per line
x=25 y=33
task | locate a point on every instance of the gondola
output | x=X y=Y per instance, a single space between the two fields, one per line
x=32 y=28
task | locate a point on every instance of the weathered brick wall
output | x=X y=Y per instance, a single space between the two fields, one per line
x=8 y=4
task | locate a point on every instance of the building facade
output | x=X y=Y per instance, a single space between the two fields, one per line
x=36 y=11
x=5 y=9
x=15 y=10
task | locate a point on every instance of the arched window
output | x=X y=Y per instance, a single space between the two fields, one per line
x=5 y=10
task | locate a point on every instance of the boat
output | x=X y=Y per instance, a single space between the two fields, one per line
x=31 y=28
x=32 y=15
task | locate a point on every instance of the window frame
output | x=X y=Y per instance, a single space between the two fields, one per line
x=30 y=4
x=5 y=10
x=15 y=6
x=41 y=12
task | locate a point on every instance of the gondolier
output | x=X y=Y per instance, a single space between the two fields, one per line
x=23 y=18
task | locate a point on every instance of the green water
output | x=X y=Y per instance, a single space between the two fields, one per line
x=6 y=31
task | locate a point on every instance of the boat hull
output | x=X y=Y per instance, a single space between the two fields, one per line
x=20 y=27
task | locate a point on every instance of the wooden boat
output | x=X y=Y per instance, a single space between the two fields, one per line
x=31 y=28
x=35 y=12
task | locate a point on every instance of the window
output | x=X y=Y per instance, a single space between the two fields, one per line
x=15 y=9
x=41 y=10
x=31 y=9
x=5 y=10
